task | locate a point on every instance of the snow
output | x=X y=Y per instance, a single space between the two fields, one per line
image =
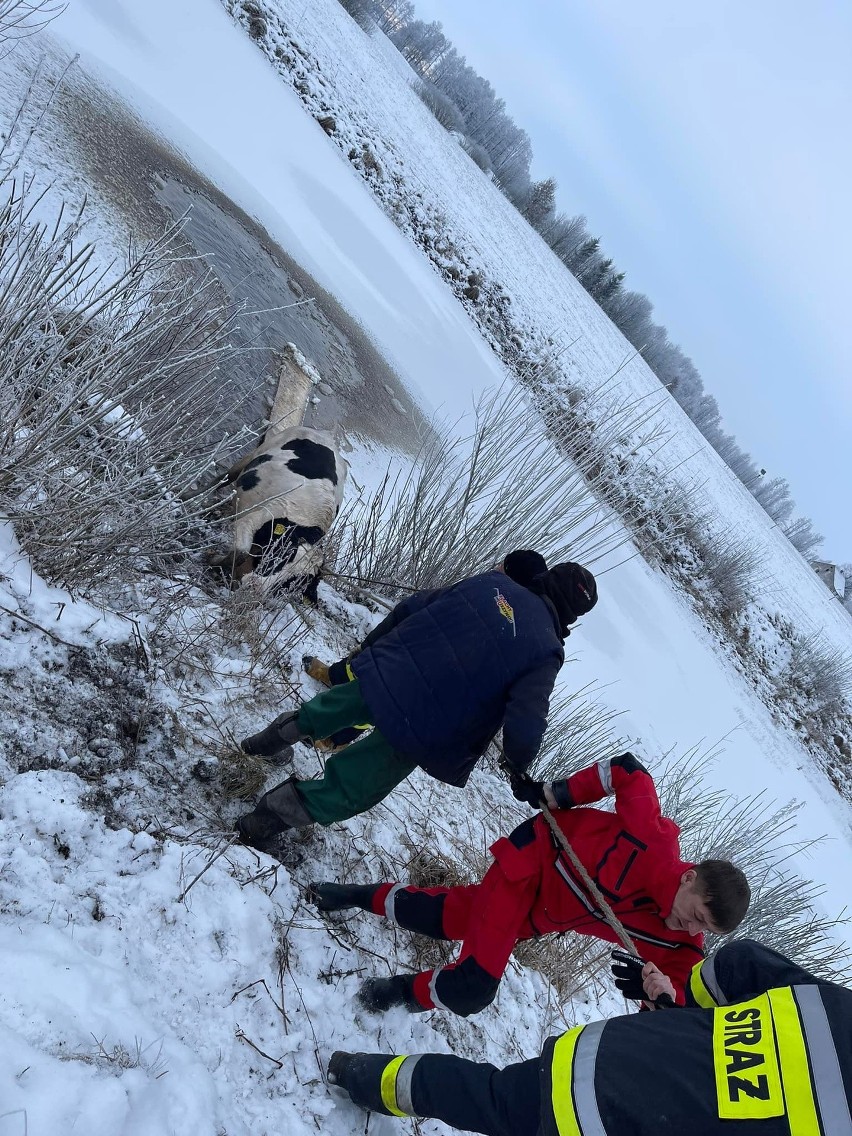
x=26 y=594
x=128 y=1010
x=204 y=87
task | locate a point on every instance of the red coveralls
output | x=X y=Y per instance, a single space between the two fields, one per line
x=633 y=855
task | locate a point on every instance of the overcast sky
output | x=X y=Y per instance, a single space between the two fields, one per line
x=709 y=146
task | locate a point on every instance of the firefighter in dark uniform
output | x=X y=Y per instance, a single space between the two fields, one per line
x=762 y=1048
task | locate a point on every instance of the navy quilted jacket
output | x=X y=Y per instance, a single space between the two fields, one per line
x=448 y=667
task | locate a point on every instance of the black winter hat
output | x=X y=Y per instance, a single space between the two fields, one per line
x=523 y=565
x=571 y=589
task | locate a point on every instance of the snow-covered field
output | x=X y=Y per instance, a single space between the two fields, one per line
x=125 y=1010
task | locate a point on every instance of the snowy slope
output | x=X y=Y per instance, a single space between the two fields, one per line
x=128 y=1011
x=217 y=123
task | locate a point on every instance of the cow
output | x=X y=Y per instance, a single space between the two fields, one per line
x=287 y=493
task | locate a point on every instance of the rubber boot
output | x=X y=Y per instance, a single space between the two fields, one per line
x=277 y=811
x=360 y=1075
x=380 y=994
x=316 y=668
x=339 y=897
x=275 y=743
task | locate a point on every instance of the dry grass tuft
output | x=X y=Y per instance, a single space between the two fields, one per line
x=242 y=775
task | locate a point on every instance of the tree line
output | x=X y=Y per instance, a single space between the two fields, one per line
x=467 y=104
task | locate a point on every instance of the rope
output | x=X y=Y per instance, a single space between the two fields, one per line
x=593 y=889
x=663 y=1001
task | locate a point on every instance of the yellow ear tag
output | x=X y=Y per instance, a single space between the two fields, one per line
x=278 y=530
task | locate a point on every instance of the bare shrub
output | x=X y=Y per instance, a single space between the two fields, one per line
x=112 y=408
x=430 y=869
x=731 y=566
x=442 y=106
x=22 y=18
x=148 y=1058
x=477 y=154
x=821 y=674
x=571 y=963
x=579 y=732
x=466 y=502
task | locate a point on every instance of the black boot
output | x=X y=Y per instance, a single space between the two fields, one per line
x=338 y=1064
x=275 y=743
x=380 y=994
x=337 y=897
x=277 y=811
x=360 y=1075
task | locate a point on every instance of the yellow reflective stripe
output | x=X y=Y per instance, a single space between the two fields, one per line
x=699 y=991
x=748 y=1082
x=388 y=1086
x=350 y=674
x=562 y=1075
x=798 y=1091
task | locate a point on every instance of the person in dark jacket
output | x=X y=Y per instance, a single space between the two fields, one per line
x=532 y=888
x=522 y=565
x=763 y=1048
x=437 y=678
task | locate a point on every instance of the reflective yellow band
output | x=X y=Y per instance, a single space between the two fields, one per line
x=748 y=1081
x=350 y=674
x=388 y=1086
x=562 y=1073
x=798 y=1091
x=699 y=991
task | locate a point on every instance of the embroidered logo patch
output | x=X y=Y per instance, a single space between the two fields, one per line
x=505 y=609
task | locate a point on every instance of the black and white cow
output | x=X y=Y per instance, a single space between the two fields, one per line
x=288 y=492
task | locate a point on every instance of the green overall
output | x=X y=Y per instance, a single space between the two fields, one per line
x=357 y=777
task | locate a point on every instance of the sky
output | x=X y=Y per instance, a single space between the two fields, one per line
x=709 y=147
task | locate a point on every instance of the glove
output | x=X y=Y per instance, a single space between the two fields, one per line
x=380 y=994
x=523 y=789
x=627 y=972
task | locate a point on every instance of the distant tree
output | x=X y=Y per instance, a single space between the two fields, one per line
x=421 y=44
x=775 y=497
x=576 y=258
x=564 y=233
x=441 y=105
x=477 y=154
x=487 y=123
x=801 y=535
x=608 y=288
x=631 y=313
x=393 y=15
x=362 y=12
x=540 y=205
x=598 y=276
x=466 y=102
x=511 y=155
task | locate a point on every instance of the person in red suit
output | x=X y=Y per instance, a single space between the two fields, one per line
x=633 y=854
